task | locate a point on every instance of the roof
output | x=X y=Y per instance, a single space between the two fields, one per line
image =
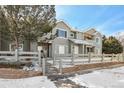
x=78 y=41
x=91 y=31
x=72 y=29
x=88 y=31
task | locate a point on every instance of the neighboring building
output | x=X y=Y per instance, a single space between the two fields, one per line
x=69 y=40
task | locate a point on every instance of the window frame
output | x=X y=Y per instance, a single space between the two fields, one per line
x=57 y=32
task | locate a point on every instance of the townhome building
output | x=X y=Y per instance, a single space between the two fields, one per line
x=69 y=40
x=66 y=40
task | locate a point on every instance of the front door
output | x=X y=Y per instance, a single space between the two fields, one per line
x=47 y=49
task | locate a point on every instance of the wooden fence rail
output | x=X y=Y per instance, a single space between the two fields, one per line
x=18 y=56
x=89 y=58
x=73 y=58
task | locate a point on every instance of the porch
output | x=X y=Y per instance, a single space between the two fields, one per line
x=81 y=47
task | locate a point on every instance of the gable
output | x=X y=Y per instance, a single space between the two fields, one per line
x=93 y=32
x=62 y=25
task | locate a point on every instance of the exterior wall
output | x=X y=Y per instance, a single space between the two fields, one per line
x=72 y=33
x=60 y=42
x=50 y=50
x=98 y=47
x=33 y=46
x=80 y=49
x=79 y=35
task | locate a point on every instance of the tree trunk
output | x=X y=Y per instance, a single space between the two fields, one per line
x=16 y=49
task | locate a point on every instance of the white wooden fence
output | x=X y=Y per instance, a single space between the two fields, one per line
x=19 y=56
x=15 y=56
x=90 y=58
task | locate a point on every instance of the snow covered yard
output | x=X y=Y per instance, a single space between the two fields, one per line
x=106 y=78
x=32 y=82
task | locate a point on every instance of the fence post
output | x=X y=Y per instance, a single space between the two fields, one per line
x=60 y=66
x=89 y=57
x=112 y=57
x=122 y=57
x=118 y=57
x=39 y=57
x=54 y=60
x=43 y=66
x=72 y=58
x=16 y=55
x=102 y=57
x=73 y=55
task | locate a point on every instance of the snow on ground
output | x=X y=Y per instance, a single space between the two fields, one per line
x=112 y=78
x=32 y=82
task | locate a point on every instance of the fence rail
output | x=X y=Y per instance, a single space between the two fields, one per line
x=18 y=56
x=75 y=59
x=21 y=56
x=60 y=60
x=90 y=57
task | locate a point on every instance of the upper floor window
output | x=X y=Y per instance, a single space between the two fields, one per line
x=97 y=40
x=73 y=35
x=61 y=33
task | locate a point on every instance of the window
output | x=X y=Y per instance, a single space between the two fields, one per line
x=61 y=49
x=61 y=33
x=72 y=35
x=97 y=40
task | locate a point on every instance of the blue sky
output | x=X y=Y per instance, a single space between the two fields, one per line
x=106 y=19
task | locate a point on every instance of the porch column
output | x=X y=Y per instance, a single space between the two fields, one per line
x=73 y=49
x=83 y=48
x=86 y=49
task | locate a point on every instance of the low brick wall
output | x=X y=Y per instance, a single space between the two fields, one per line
x=77 y=68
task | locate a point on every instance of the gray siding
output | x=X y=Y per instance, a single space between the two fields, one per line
x=56 y=43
